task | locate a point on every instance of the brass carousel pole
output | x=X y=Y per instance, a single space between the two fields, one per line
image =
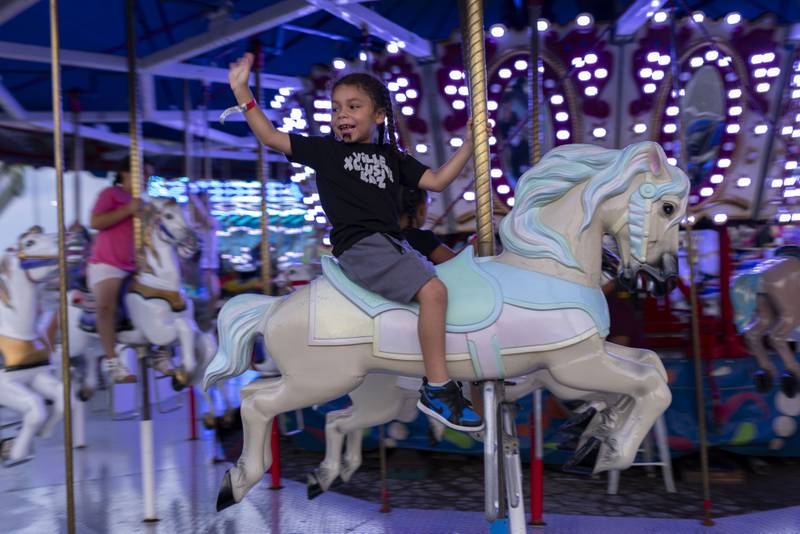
x=58 y=153
x=535 y=125
x=146 y=422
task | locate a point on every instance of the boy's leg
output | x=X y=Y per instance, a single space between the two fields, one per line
x=445 y=401
x=106 y=293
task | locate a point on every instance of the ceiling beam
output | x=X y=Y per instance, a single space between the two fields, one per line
x=10 y=104
x=197 y=115
x=235 y=30
x=212 y=134
x=11 y=8
x=112 y=63
x=379 y=26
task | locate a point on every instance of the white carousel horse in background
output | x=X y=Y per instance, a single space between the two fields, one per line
x=766 y=301
x=28 y=377
x=160 y=314
x=547 y=276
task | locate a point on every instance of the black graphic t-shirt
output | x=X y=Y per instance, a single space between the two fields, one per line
x=359 y=185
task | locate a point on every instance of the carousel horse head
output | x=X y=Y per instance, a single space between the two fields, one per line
x=634 y=193
x=166 y=219
x=37 y=253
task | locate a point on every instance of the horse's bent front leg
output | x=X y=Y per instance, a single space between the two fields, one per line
x=187 y=330
x=753 y=336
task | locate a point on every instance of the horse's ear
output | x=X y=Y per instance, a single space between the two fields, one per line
x=654 y=158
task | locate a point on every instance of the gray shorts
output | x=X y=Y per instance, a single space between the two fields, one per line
x=387 y=266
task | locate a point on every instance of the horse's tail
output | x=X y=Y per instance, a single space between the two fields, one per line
x=744 y=297
x=241 y=319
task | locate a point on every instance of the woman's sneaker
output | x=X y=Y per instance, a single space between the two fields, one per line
x=118 y=372
x=447 y=404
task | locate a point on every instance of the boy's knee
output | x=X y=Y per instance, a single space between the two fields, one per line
x=434 y=291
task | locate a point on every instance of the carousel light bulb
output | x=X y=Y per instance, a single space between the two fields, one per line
x=393 y=87
x=578 y=63
x=696 y=62
x=706 y=192
x=640 y=127
x=717 y=178
x=735 y=111
x=491 y=105
x=280 y=98
x=744 y=181
x=584 y=76
x=459 y=104
x=653 y=57
x=734 y=93
x=672 y=161
x=762 y=87
x=664 y=60
x=658 y=75
x=520 y=64
x=599 y=133
x=563 y=135
x=496 y=173
x=421 y=148
x=672 y=111
x=503 y=189
x=510 y=201
x=590 y=91
x=796 y=94
x=584 y=20
x=760 y=73
x=645 y=72
x=660 y=17
x=412 y=93
x=542 y=25
x=720 y=218
x=275 y=105
x=761 y=129
x=724 y=163
x=497 y=31
x=505 y=73
x=455 y=75
x=456 y=142
x=557 y=100
x=285 y=91
x=407 y=111
x=325 y=129
x=392 y=48
x=296 y=113
x=321 y=219
x=786 y=130
x=601 y=73
x=450 y=89
x=590 y=59
x=402 y=82
x=712 y=55
x=469 y=196
x=400 y=97
x=768 y=57
x=733 y=128
x=790 y=165
x=772 y=72
x=776 y=183
x=562 y=116
x=733 y=18
x=362 y=56
x=784 y=217
x=463 y=90
x=698 y=16
x=339 y=64
x=649 y=88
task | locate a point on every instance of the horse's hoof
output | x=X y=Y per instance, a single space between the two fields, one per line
x=177 y=385
x=578 y=422
x=313 y=488
x=225 y=496
x=763 y=381
x=84 y=394
x=582 y=462
x=789 y=384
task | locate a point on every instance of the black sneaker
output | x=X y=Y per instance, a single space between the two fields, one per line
x=447 y=404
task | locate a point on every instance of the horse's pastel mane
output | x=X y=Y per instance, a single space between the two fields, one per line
x=150 y=218
x=607 y=173
x=5 y=272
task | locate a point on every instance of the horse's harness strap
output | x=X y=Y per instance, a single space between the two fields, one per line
x=173 y=298
x=23 y=366
x=23 y=352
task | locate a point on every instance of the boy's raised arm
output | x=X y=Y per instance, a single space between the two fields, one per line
x=239 y=78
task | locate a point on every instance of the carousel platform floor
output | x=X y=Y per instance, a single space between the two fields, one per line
x=108 y=486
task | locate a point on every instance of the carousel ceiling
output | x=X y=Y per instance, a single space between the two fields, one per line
x=710 y=80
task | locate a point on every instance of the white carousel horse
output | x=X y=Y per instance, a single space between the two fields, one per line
x=536 y=306
x=766 y=301
x=382 y=398
x=28 y=377
x=160 y=314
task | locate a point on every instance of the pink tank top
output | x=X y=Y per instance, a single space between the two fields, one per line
x=114 y=245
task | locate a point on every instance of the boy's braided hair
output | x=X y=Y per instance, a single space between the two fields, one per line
x=412 y=198
x=379 y=94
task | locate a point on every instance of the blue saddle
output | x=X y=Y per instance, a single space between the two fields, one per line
x=477 y=288
x=88 y=319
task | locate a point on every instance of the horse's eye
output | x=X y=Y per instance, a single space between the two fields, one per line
x=168 y=216
x=30 y=243
x=668 y=208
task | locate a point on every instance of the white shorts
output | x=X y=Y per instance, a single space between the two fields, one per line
x=97 y=272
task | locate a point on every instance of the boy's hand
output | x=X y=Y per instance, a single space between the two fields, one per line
x=469 y=139
x=239 y=72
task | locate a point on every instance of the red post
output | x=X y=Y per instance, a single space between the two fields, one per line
x=192 y=415
x=275 y=469
x=537 y=462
